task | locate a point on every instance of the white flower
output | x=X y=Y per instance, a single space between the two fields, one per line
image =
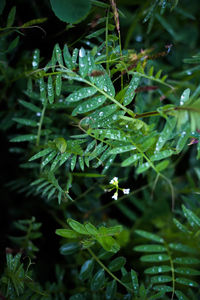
x=126 y=191
x=114 y=181
x=115 y=196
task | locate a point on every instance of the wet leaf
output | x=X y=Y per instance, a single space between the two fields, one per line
x=130 y=160
x=50 y=90
x=186 y=281
x=161 y=279
x=122 y=149
x=158 y=269
x=81 y=94
x=67 y=58
x=111 y=290
x=41 y=154
x=155 y=258
x=24 y=138
x=26 y=122
x=98 y=280
x=149 y=236
x=76 y=226
x=135 y=283
x=89 y=105
x=67 y=233
x=69 y=248
x=36 y=59
x=130 y=92
x=117 y=263
x=86 y=269
x=48 y=158
x=58 y=84
x=150 y=248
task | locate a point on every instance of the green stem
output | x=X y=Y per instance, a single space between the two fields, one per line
x=40 y=125
x=172 y=271
x=108 y=271
x=107 y=62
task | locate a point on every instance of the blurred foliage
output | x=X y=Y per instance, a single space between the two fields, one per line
x=101 y=111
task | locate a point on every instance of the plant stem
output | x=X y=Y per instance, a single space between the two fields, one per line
x=40 y=124
x=108 y=271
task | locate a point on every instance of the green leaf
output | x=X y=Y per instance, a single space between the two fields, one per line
x=159 y=295
x=181 y=227
x=182 y=248
x=161 y=155
x=64 y=158
x=157 y=269
x=130 y=92
x=81 y=94
x=111 y=290
x=61 y=144
x=186 y=281
x=24 y=138
x=185 y=97
x=150 y=248
x=150 y=236
x=88 y=105
x=182 y=140
x=163 y=288
x=142 y=168
x=103 y=82
x=69 y=248
x=166 y=133
x=135 y=283
x=117 y=263
x=73 y=162
x=67 y=57
x=36 y=59
x=83 y=63
x=130 y=160
x=180 y=295
x=91 y=229
x=122 y=149
x=96 y=33
x=76 y=226
x=42 y=90
x=2 y=5
x=110 y=134
x=161 y=279
x=81 y=162
x=58 y=84
x=58 y=54
x=186 y=260
x=71 y=11
x=86 y=269
x=187 y=271
x=30 y=106
x=108 y=243
x=98 y=280
x=41 y=154
x=11 y=17
x=192 y=218
x=48 y=158
x=155 y=258
x=50 y=90
x=26 y=122
x=67 y=233
x=103 y=112
x=13 y=44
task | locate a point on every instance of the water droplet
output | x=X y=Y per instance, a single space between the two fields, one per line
x=138 y=38
x=38 y=114
x=82 y=52
x=189 y=73
x=101 y=114
x=34 y=64
x=105 y=88
x=114 y=117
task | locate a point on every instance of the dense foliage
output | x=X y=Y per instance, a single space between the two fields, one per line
x=101 y=116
